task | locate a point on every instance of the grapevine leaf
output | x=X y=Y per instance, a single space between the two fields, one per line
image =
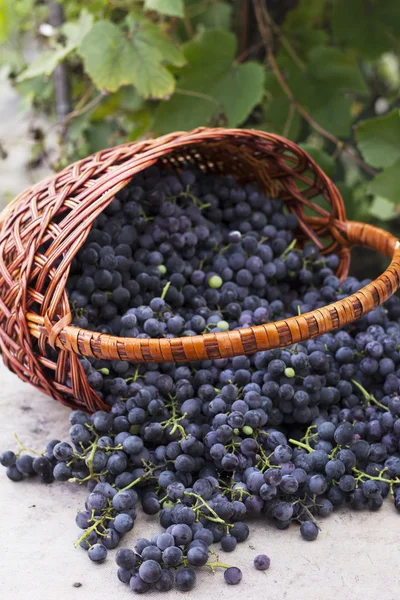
x=76 y=31
x=336 y=70
x=379 y=139
x=45 y=63
x=170 y=8
x=113 y=60
x=107 y=56
x=212 y=86
x=147 y=34
x=368 y=26
x=239 y=90
x=387 y=184
x=302 y=27
x=382 y=209
x=216 y=16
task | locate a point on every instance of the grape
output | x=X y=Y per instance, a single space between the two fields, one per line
x=150 y=571
x=309 y=531
x=123 y=523
x=137 y=584
x=8 y=458
x=14 y=474
x=262 y=562
x=233 y=575
x=185 y=579
x=97 y=553
x=24 y=464
x=166 y=581
x=228 y=543
x=172 y=556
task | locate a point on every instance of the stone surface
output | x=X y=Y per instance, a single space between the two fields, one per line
x=356 y=556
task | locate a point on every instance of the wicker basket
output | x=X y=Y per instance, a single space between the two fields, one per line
x=45 y=226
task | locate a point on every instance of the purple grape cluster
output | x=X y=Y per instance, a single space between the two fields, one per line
x=285 y=435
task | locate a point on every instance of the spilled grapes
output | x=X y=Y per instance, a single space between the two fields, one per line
x=286 y=435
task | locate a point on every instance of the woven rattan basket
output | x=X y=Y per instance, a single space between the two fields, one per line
x=45 y=226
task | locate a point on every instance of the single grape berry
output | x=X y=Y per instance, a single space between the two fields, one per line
x=262 y=562
x=233 y=575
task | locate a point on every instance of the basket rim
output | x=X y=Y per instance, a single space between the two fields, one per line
x=244 y=340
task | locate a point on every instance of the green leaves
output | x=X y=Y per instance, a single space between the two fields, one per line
x=387 y=184
x=211 y=86
x=171 y=8
x=368 y=26
x=217 y=15
x=379 y=143
x=49 y=59
x=323 y=87
x=113 y=59
x=107 y=57
x=379 y=139
x=382 y=209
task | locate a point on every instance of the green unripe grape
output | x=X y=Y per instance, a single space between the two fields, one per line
x=104 y=371
x=247 y=430
x=135 y=429
x=168 y=504
x=215 y=282
x=223 y=325
x=162 y=269
x=289 y=372
x=236 y=431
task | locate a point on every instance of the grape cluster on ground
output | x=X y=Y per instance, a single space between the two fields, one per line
x=286 y=435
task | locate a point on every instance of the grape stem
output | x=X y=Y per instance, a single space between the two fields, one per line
x=368 y=397
x=215 y=518
x=22 y=448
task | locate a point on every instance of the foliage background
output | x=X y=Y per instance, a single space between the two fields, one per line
x=324 y=73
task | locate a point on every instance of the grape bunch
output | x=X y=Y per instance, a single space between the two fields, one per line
x=286 y=435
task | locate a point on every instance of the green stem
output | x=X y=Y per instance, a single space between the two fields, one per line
x=301 y=445
x=214 y=517
x=291 y=247
x=22 y=448
x=165 y=290
x=369 y=397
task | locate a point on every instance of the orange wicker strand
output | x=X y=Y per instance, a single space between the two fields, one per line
x=44 y=228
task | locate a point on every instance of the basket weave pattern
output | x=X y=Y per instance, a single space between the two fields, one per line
x=45 y=226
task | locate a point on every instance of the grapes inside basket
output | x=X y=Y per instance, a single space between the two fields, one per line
x=220 y=361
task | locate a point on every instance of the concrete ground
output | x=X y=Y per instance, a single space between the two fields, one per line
x=356 y=556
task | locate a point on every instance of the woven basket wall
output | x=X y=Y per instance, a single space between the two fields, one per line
x=45 y=226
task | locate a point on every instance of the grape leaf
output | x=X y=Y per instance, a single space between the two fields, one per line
x=113 y=60
x=47 y=61
x=107 y=56
x=303 y=26
x=145 y=33
x=239 y=90
x=216 y=16
x=76 y=31
x=211 y=85
x=323 y=88
x=379 y=139
x=171 y=8
x=368 y=26
x=335 y=70
x=382 y=209
x=387 y=184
